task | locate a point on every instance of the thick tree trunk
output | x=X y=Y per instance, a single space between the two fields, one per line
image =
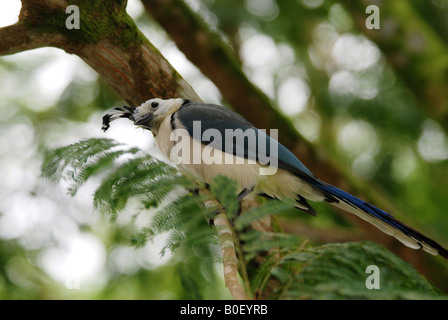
x=108 y=40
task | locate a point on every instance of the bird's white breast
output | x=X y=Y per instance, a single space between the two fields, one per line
x=207 y=162
x=202 y=160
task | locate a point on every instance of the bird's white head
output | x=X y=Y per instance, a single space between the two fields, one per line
x=151 y=113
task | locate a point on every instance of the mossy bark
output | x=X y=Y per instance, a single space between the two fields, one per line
x=109 y=41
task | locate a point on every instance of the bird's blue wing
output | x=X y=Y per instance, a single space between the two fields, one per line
x=262 y=148
x=219 y=118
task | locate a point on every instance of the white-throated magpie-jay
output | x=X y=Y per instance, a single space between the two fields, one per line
x=209 y=140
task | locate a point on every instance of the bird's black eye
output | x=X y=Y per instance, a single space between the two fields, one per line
x=154 y=104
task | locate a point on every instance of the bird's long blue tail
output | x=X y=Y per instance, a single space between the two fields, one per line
x=381 y=219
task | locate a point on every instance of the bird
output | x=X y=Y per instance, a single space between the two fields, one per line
x=208 y=140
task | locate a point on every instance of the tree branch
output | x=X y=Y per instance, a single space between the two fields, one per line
x=19 y=37
x=229 y=259
x=108 y=40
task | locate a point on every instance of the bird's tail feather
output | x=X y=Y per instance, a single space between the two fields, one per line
x=381 y=219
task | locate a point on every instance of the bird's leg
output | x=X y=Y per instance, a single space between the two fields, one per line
x=197 y=190
x=211 y=221
x=241 y=196
x=245 y=192
x=210 y=218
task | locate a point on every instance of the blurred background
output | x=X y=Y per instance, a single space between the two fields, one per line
x=381 y=116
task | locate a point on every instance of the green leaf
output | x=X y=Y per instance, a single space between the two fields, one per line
x=189 y=284
x=271 y=207
x=75 y=155
x=101 y=162
x=226 y=192
x=338 y=271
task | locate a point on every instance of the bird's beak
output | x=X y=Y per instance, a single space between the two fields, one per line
x=143 y=121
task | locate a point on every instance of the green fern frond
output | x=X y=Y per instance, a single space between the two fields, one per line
x=225 y=191
x=175 y=240
x=270 y=207
x=75 y=155
x=119 y=185
x=140 y=239
x=256 y=241
x=156 y=191
x=338 y=271
x=101 y=162
x=171 y=216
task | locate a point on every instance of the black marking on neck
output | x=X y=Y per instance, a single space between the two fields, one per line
x=172 y=122
x=130 y=109
x=186 y=101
